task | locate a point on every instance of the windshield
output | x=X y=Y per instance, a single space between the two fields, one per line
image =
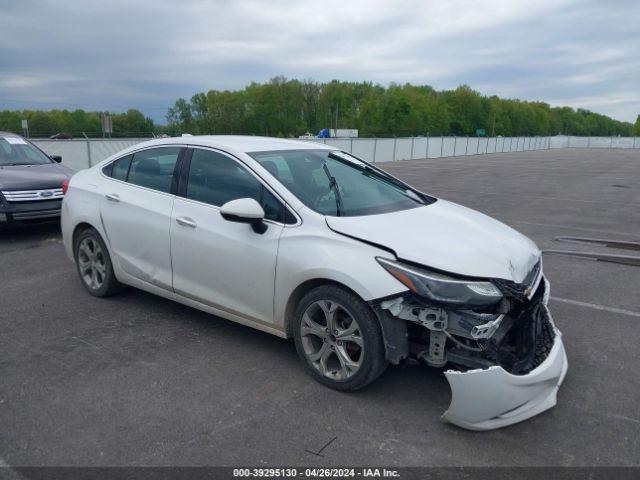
x=337 y=184
x=17 y=151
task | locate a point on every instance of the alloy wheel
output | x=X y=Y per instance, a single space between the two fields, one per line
x=332 y=340
x=92 y=263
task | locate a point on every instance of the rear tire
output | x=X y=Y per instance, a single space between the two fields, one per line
x=338 y=337
x=94 y=265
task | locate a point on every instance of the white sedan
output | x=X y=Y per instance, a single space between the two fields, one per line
x=304 y=241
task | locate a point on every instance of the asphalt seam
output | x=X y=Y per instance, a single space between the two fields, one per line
x=595 y=306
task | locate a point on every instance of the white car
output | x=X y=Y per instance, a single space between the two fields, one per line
x=307 y=242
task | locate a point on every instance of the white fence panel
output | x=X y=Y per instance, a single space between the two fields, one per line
x=403 y=149
x=81 y=153
x=594 y=142
x=419 y=148
x=384 y=149
x=364 y=148
x=448 y=144
x=559 y=141
x=75 y=154
x=579 y=142
x=343 y=144
x=623 y=142
x=435 y=147
x=102 y=150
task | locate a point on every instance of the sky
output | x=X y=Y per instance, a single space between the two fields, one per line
x=114 y=55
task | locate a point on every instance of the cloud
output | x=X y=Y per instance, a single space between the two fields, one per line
x=146 y=54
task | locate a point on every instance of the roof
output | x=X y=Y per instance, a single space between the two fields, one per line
x=242 y=143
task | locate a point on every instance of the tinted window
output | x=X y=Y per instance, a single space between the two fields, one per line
x=16 y=151
x=121 y=168
x=153 y=168
x=334 y=183
x=217 y=179
x=108 y=169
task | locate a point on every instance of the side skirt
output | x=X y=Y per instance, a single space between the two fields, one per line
x=147 y=287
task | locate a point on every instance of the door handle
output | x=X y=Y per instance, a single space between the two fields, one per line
x=112 y=197
x=186 y=222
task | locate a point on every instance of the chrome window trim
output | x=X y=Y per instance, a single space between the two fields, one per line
x=266 y=184
x=100 y=167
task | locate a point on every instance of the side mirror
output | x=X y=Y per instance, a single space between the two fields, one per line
x=245 y=210
x=56 y=158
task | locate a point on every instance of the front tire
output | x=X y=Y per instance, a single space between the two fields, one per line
x=338 y=338
x=94 y=265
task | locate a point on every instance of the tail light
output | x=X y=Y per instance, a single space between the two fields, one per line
x=65 y=186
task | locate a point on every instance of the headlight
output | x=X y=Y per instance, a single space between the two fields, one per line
x=441 y=288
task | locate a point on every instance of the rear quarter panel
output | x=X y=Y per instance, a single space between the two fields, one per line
x=81 y=204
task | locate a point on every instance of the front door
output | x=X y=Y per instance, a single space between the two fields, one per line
x=224 y=264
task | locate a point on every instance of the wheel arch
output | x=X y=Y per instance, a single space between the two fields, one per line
x=78 y=230
x=394 y=330
x=300 y=291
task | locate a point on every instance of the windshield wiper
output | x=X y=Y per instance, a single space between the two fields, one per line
x=334 y=185
x=366 y=169
x=378 y=175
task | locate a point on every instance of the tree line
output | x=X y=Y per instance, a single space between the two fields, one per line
x=288 y=108
x=77 y=123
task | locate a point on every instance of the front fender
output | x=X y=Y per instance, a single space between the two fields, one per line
x=305 y=255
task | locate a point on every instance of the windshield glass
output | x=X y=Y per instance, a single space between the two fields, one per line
x=337 y=184
x=17 y=151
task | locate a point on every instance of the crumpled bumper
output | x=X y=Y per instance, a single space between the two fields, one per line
x=493 y=398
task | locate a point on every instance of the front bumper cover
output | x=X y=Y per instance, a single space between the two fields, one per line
x=486 y=399
x=38 y=210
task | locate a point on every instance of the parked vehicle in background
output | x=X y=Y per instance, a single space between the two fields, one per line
x=31 y=182
x=338 y=133
x=61 y=136
x=308 y=242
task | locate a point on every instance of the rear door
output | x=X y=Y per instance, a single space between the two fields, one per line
x=217 y=262
x=136 y=211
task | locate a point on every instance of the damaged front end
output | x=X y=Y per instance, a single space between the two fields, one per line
x=504 y=352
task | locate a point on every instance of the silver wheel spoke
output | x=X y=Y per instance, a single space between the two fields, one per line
x=346 y=363
x=353 y=338
x=314 y=357
x=84 y=265
x=331 y=339
x=309 y=327
x=94 y=278
x=351 y=334
x=324 y=360
x=91 y=263
x=101 y=269
x=329 y=308
x=84 y=250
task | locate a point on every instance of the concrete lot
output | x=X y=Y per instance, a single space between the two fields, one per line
x=137 y=380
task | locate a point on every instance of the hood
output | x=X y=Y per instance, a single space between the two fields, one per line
x=447 y=237
x=33 y=177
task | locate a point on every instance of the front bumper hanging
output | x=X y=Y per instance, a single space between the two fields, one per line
x=485 y=399
x=511 y=363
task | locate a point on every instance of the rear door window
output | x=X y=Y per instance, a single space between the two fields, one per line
x=121 y=168
x=153 y=168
